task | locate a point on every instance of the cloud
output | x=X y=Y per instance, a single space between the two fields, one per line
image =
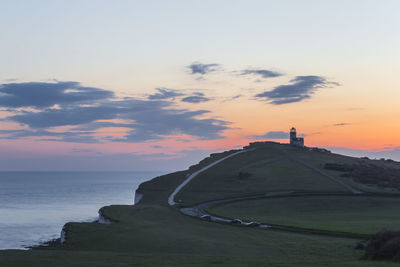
x=196 y=98
x=262 y=73
x=341 y=124
x=236 y=96
x=199 y=68
x=75 y=137
x=158 y=147
x=67 y=116
x=42 y=95
x=142 y=119
x=149 y=120
x=165 y=93
x=80 y=150
x=272 y=135
x=155 y=124
x=301 y=87
x=101 y=124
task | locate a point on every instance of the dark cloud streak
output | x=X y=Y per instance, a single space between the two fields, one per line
x=43 y=95
x=272 y=135
x=260 y=72
x=199 y=68
x=341 y=124
x=196 y=98
x=301 y=88
x=75 y=137
x=165 y=93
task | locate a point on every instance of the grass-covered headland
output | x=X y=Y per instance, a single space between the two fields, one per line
x=152 y=233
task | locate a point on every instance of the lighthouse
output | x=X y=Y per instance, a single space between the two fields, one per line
x=294 y=140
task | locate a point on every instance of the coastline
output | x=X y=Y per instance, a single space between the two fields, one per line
x=102 y=219
x=58 y=241
x=36 y=205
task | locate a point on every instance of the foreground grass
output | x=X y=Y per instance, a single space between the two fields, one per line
x=104 y=259
x=352 y=214
x=154 y=235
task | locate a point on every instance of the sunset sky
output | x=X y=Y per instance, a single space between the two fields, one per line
x=158 y=85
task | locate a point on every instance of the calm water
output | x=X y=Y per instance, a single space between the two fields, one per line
x=35 y=205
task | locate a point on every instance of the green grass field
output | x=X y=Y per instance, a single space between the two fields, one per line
x=271 y=171
x=352 y=214
x=152 y=233
x=318 y=159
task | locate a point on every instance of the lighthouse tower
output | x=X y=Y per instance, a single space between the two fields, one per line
x=293 y=135
x=294 y=140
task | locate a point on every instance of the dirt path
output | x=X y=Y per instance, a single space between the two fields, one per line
x=171 y=198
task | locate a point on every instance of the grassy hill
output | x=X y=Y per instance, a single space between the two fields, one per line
x=156 y=234
x=268 y=169
x=362 y=214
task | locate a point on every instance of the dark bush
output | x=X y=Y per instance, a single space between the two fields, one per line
x=368 y=173
x=359 y=245
x=339 y=167
x=243 y=175
x=384 y=245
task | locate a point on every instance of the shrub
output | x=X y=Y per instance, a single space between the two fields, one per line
x=243 y=175
x=384 y=245
x=368 y=174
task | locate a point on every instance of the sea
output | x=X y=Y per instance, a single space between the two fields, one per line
x=34 y=206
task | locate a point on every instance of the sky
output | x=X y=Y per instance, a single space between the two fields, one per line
x=159 y=85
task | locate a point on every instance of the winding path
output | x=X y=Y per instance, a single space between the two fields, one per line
x=200 y=211
x=171 y=198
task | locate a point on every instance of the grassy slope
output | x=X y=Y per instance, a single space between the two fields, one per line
x=353 y=214
x=152 y=233
x=318 y=159
x=271 y=170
